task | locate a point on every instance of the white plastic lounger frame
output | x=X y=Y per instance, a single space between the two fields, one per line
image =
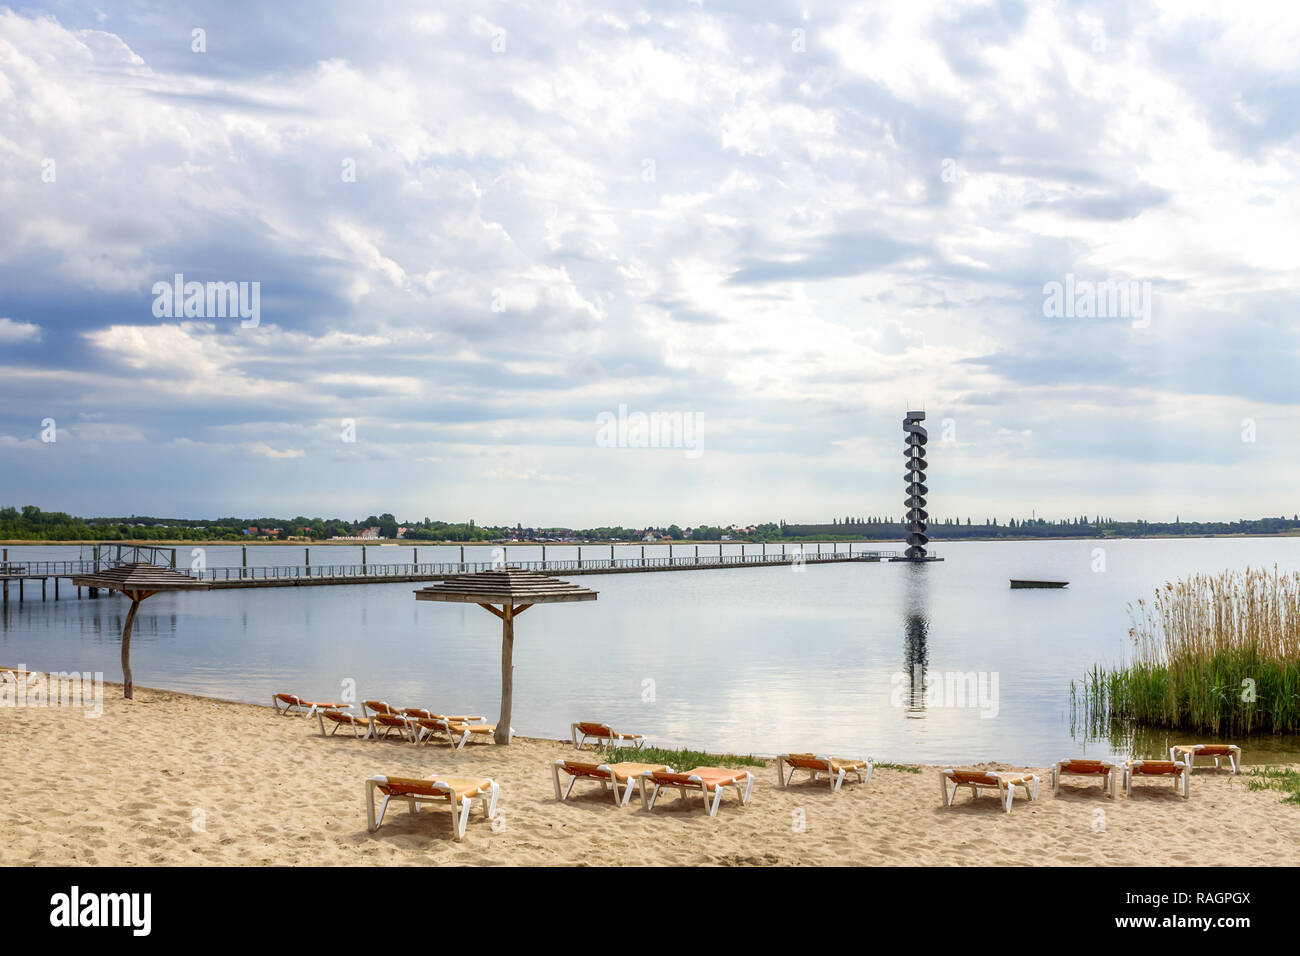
x=602 y=773
x=601 y=733
x=342 y=719
x=1185 y=776
x=987 y=780
x=694 y=782
x=444 y=793
x=1187 y=753
x=827 y=767
x=1062 y=768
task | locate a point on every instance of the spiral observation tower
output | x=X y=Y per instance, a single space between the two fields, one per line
x=915 y=518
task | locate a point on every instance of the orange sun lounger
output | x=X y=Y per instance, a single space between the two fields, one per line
x=285 y=703
x=1188 y=753
x=384 y=725
x=342 y=719
x=459 y=793
x=977 y=780
x=1174 y=769
x=601 y=733
x=419 y=713
x=1086 y=768
x=835 y=769
x=458 y=734
x=611 y=775
x=704 y=780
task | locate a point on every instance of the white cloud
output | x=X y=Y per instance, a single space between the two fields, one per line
x=12 y=333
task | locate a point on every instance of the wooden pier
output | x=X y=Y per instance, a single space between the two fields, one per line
x=315 y=575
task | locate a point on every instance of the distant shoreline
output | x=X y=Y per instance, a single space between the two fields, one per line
x=934 y=541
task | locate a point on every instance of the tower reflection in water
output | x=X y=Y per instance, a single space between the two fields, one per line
x=916 y=631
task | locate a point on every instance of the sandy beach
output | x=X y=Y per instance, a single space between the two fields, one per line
x=173 y=779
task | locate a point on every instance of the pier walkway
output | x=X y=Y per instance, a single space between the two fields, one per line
x=312 y=575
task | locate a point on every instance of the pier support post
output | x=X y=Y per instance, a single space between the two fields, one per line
x=56 y=589
x=306 y=555
x=611 y=555
x=697 y=554
x=243 y=555
x=579 y=555
x=20 y=590
x=363 y=555
x=42 y=589
x=543 y=557
x=643 y=555
x=462 y=555
x=415 y=556
x=6 y=589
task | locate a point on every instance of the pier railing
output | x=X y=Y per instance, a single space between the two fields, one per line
x=550 y=566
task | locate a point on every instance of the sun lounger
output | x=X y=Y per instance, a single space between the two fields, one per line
x=379 y=707
x=458 y=793
x=977 y=780
x=835 y=769
x=383 y=726
x=704 y=780
x=602 y=733
x=341 y=719
x=1174 y=769
x=610 y=774
x=287 y=703
x=458 y=734
x=1105 y=769
x=419 y=713
x=1187 y=753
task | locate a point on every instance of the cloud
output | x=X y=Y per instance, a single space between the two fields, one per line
x=14 y=333
x=472 y=248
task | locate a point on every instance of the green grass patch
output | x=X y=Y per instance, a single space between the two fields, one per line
x=679 y=759
x=1276 y=778
x=904 y=768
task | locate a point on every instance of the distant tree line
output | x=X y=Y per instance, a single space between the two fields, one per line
x=30 y=523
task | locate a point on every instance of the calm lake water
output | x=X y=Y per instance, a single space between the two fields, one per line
x=761 y=660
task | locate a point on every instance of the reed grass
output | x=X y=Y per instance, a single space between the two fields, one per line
x=1215 y=653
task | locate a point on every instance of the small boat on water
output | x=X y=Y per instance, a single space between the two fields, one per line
x=1021 y=583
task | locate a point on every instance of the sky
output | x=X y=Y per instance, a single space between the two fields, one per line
x=481 y=235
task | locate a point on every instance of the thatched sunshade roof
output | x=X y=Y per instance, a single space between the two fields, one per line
x=515 y=590
x=140 y=576
x=507 y=586
x=138 y=580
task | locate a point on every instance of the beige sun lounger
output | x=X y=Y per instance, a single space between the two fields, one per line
x=977 y=780
x=1073 y=766
x=602 y=734
x=835 y=769
x=459 y=793
x=287 y=703
x=342 y=719
x=1187 y=753
x=1174 y=769
x=704 y=780
x=611 y=775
